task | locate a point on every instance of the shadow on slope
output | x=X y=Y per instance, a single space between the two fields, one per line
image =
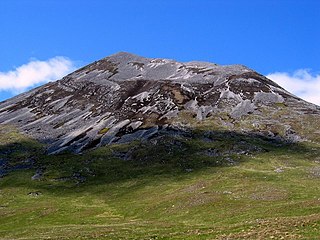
x=173 y=155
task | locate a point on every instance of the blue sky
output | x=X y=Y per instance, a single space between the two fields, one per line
x=278 y=38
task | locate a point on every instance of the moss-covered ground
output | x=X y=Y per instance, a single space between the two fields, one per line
x=163 y=191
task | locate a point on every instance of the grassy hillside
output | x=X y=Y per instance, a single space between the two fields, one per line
x=224 y=186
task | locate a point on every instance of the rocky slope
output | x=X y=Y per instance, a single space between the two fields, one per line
x=125 y=97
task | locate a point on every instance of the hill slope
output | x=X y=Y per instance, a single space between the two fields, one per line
x=155 y=149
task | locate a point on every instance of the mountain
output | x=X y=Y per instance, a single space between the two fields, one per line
x=139 y=148
x=125 y=97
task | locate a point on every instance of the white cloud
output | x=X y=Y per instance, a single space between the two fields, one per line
x=35 y=73
x=301 y=83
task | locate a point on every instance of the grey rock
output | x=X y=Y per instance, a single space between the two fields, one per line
x=268 y=97
x=192 y=105
x=279 y=170
x=203 y=112
x=212 y=152
x=243 y=108
x=38 y=175
x=34 y=194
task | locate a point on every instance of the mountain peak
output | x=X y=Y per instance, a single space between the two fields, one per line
x=125 y=97
x=124 y=55
x=125 y=66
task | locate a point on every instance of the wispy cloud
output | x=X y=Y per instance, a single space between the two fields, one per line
x=302 y=83
x=35 y=73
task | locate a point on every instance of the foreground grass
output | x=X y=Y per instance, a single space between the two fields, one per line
x=273 y=194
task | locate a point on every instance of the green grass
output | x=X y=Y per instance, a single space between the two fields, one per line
x=165 y=192
x=104 y=130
